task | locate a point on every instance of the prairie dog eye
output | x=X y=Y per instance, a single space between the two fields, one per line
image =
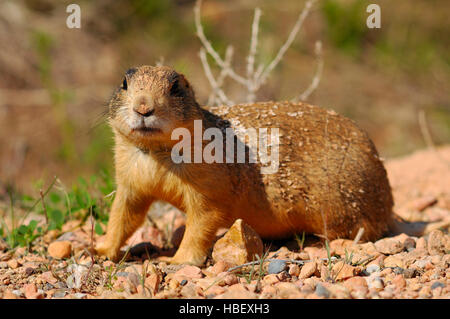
x=124 y=84
x=176 y=90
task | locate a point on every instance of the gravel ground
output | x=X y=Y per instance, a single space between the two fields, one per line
x=402 y=266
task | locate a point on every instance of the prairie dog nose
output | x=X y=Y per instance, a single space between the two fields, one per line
x=144 y=107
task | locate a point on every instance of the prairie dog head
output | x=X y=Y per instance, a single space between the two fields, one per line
x=150 y=103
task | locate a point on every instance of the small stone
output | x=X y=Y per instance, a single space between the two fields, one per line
x=183 y=282
x=317 y=253
x=238 y=291
x=436 y=259
x=20 y=251
x=340 y=246
x=385 y=272
x=230 y=279
x=409 y=244
x=356 y=283
x=398 y=270
x=425 y=292
x=399 y=282
x=287 y=290
x=173 y=284
x=29 y=271
x=437 y=284
x=372 y=268
x=30 y=290
x=342 y=270
x=59 y=294
x=219 y=267
x=215 y=291
x=60 y=249
x=437 y=243
x=51 y=235
x=13 y=264
x=339 y=291
x=359 y=294
x=321 y=291
x=122 y=274
x=375 y=282
x=239 y=245
x=394 y=261
x=421 y=243
x=3 y=265
x=420 y=263
x=192 y=272
x=8 y=294
x=70 y=226
x=133 y=279
x=386 y=294
x=389 y=246
x=276 y=266
x=268 y=291
x=308 y=269
x=136 y=269
x=294 y=270
x=271 y=279
x=409 y=273
x=303 y=255
x=79 y=295
x=153 y=282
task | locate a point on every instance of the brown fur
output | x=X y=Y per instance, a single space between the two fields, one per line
x=331 y=180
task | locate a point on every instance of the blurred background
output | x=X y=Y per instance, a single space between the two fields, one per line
x=55 y=82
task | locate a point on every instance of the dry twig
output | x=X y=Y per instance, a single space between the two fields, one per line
x=254 y=78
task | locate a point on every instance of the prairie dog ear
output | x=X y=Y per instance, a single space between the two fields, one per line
x=179 y=86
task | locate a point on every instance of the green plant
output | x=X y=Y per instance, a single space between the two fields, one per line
x=23 y=235
x=43 y=44
x=300 y=242
x=59 y=205
x=346 y=25
x=327 y=247
x=348 y=258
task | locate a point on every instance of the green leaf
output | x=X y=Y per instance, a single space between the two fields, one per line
x=22 y=230
x=27 y=198
x=55 y=198
x=32 y=226
x=98 y=229
x=57 y=217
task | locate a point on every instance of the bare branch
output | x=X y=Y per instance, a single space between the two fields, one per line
x=207 y=45
x=252 y=86
x=160 y=62
x=287 y=44
x=212 y=100
x=253 y=44
x=254 y=78
x=317 y=76
x=216 y=88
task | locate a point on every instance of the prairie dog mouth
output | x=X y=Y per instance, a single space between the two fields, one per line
x=146 y=130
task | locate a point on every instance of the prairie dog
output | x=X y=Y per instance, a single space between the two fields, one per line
x=329 y=180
